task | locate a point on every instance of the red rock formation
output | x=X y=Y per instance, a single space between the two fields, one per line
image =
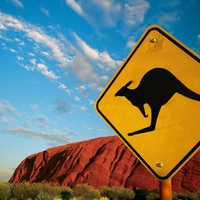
x=100 y=162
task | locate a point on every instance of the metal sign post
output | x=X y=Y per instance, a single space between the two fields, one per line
x=165 y=188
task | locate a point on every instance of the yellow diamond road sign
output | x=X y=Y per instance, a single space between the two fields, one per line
x=153 y=102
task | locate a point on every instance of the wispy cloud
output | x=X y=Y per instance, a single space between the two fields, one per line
x=17 y=3
x=198 y=37
x=85 y=62
x=110 y=12
x=7 y=120
x=131 y=42
x=34 y=107
x=83 y=90
x=65 y=88
x=63 y=107
x=135 y=11
x=87 y=57
x=37 y=35
x=8 y=112
x=83 y=108
x=76 y=7
x=56 y=138
x=7 y=108
x=44 y=70
x=167 y=19
x=96 y=129
x=38 y=120
x=45 y=11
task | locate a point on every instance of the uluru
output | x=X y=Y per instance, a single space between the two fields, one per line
x=103 y=161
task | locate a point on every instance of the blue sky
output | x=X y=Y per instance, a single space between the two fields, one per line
x=57 y=56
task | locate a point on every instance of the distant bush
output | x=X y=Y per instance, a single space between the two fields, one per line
x=34 y=191
x=24 y=191
x=40 y=191
x=117 y=193
x=5 y=191
x=141 y=194
x=188 y=196
x=154 y=195
x=49 y=192
x=85 y=192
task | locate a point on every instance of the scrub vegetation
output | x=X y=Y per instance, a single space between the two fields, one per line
x=40 y=191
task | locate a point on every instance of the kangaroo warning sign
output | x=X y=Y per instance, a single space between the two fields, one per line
x=153 y=102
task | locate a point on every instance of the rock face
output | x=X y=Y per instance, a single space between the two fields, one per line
x=99 y=162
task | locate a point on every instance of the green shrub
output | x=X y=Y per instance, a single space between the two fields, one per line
x=5 y=190
x=66 y=193
x=189 y=196
x=85 y=192
x=39 y=191
x=117 y=193
x=141 y=194
x=153 y=196
x=23 y=191
x=48 y=192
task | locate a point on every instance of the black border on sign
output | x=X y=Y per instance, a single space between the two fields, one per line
x=115 y=129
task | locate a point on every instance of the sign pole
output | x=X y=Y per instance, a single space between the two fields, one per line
x=165 y=190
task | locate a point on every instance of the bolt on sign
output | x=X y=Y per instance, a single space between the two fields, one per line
x=153 y=102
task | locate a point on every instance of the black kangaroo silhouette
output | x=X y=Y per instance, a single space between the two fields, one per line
x=156 y=88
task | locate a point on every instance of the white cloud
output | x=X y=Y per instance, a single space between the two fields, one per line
x=83 y=90
x=45 y=11
x=21 y=43
x=58 y=138
x=76 y=7
x=2 y=26
x=135 y=11
x=20 y=58
x=105 y=78
x=7 y=120
x=33 y=61
x=198 y=37
x=37 y=35
x=96 y=129
x=34 y=107
x=111 y=12
x=44 y=70
x=87 y=50
x=63 y=107
x=13 y=50
x=7 y=108
x=83 y=60
x=131 y=42
x=83 y=108
x=167 y=18
x=31 y=54
x=91 y=102
x=45 y=53
x=64 y=87
x=28 y=67
x=83 y=69
x=102 y=59
x=38 y=120
x=17 y=3
x=169 y=4
x=78 y=99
